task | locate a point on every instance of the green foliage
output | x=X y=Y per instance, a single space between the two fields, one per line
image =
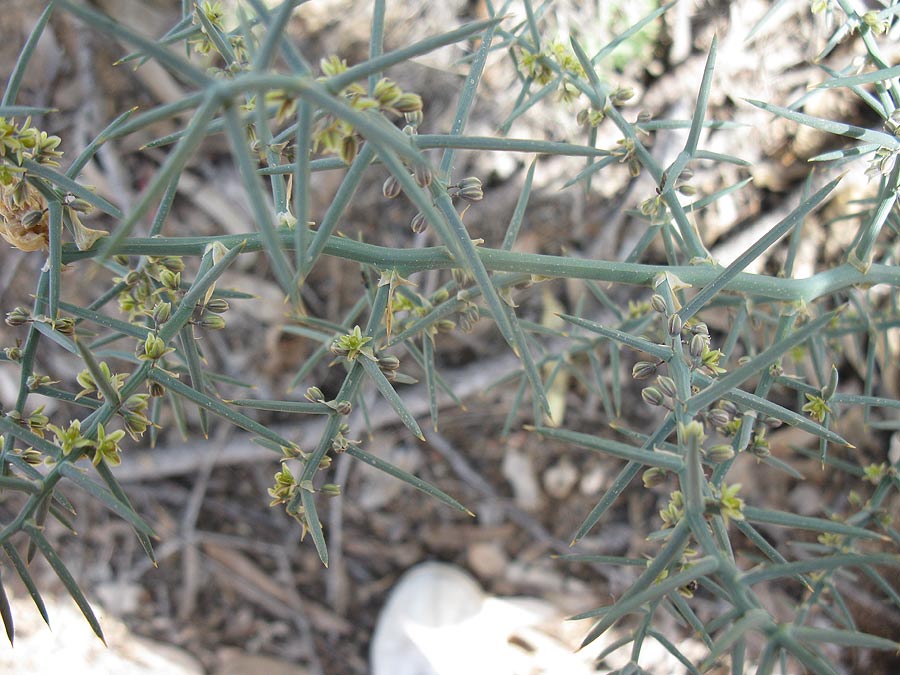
x=283 y=123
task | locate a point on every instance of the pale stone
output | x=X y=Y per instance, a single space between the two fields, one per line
x=560 y=478
x=518 y=469
x=437 y=621
x=487 y=559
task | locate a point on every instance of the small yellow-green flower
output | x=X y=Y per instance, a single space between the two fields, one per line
x=728 y=504
x=106 y=447
x=816 y=407
x=352 y=344
x=86 y=380
x=875 y=473
x=70 y=439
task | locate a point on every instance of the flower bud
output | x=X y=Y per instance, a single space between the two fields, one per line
x=388 y=362
x=408 y=103
x=697 y=345
x=719 y=453
x=718 y=418
x=674 y=325
x=79 y=205
x=65 y=325
x=349 y=148
x=18 y=317
x=331 y=489
x=154 y=347
x=217 y=306
x=31 y=219
x=162 y=311
x=692 y=432
x=170 y=279
x=414 y=118
x=658 y=303
x=654 y=476
x=212 y=321
x=831 y=386
x=386 y=92
x=343 y=407
x=445 y=325
x=666 y=385
x=729 y=408
x=700 y=328
x=32 y=456
x=315 y=395
x=621 y=95
x=418 y=223
x=470 y=189
x=423 y=175
x=652 y=396
x=772 y=422
x=643 y=370
x=391 y=187
x=760 y=450
x=173 y=263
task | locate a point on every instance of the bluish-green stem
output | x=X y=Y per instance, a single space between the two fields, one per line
x=347 y=393
x=407 y=261
x=694 y=482
x=861 y=255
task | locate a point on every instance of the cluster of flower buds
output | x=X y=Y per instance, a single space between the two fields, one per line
x=655 y=209
x=695 y=334
x=21 y=316
x=340 y=442
x=152 y=348
x=36 y=422
x=468 y=317
x=468 y=188
x=625 y=151
x=315 y=395
x=662 y=394
x=144 y=287
x=337 y=136
x=18 y=317
x=13 y=353
x=389 y=365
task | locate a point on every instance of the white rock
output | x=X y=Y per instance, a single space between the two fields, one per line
x=592 y=481
x=560 y=478
x=487 y=559
x=73 y=649
x=437 y=621
x=519 y=471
